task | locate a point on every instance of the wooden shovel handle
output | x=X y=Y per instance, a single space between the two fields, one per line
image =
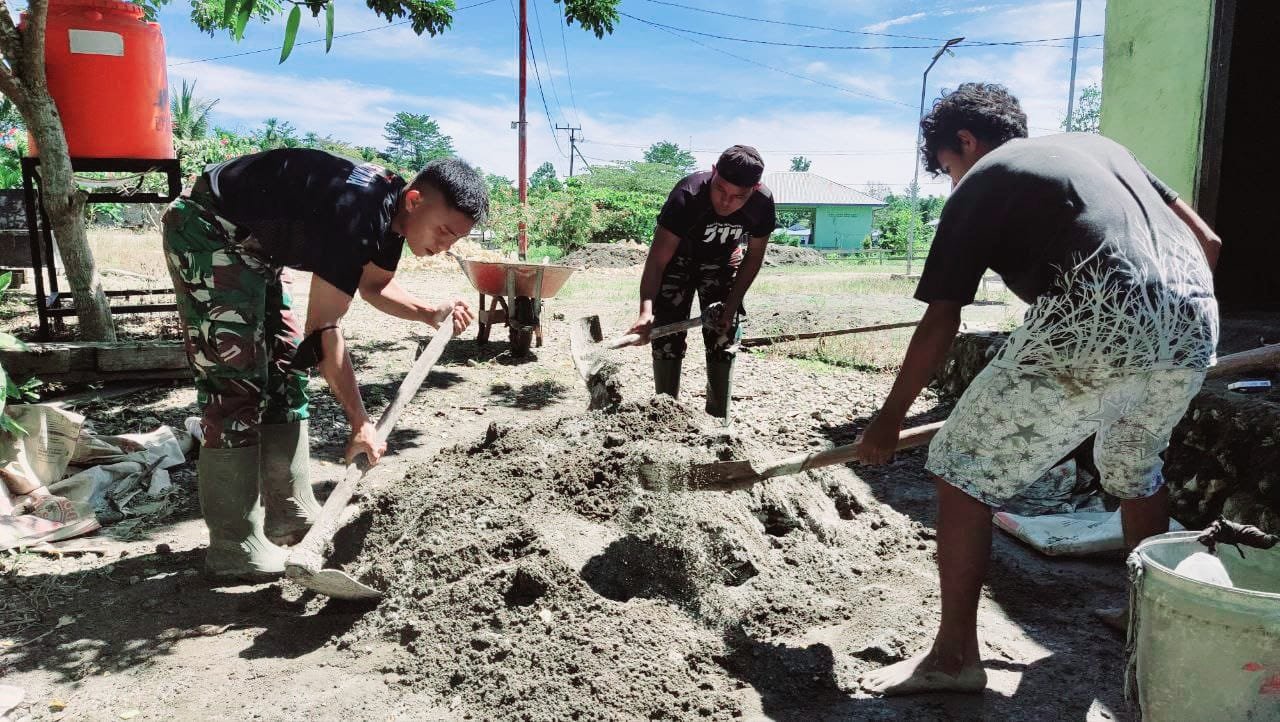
x=308 y=555
x=657 y=332
x=1258 y=359
x=907 y=439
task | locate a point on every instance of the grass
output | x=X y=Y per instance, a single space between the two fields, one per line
x=129 y=251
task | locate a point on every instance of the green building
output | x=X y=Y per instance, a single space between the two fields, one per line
x=1192 y=88
x=841 y=215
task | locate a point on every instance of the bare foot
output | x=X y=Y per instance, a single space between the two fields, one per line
x=1115 y=617
x=921 y=675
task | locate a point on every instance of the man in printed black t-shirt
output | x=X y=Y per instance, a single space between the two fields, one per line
x=697 y=248
x=1121 y=327
x=229 y=246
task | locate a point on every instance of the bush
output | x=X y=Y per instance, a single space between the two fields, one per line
x=9 y=389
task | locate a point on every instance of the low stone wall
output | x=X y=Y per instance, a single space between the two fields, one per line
x=1224 y=458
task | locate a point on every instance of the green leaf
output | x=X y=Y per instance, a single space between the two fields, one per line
x=246 y=12
x=328 y=25
x=9 y=342
x=291 y=32
x=13 y=427
x=5 y=278
x=229 y=10
x=4 y=381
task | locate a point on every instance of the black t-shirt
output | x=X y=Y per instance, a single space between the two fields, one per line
x=312 y=210
x=1079 y=229
x=705 y=236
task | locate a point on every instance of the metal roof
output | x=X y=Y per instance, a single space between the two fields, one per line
x=811 y=189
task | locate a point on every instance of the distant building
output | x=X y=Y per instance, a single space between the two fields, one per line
x=842 y=215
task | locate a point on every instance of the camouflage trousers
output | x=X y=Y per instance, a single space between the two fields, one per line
x=712 y=281
x=241 y=333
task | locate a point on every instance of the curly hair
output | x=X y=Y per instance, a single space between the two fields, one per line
x=987 y=110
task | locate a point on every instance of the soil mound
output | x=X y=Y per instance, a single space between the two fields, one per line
x=792 y=256
x=530 y=576
x=607 y=255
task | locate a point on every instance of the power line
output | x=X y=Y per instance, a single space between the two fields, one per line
x=789 y=24
x=564 y=44
x=843 y=30
x=319 y=40
x=546 y=57
x=538 y=75
x=777 y=43
x=805 y=78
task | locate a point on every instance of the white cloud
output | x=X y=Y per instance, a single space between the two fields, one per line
x=481 y=131
x=880 y=27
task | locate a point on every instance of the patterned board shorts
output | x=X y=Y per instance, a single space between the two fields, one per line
x=1010 y=427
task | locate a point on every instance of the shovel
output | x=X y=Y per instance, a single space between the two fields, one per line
x=734 y=475
x=588 y=347
x=305 y=564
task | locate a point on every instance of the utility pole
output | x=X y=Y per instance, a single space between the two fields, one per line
x=1075 y=51
x=523 y=239
x=915 y=176
x=573 y=142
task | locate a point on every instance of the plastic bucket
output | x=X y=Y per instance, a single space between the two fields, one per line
x=1201 y=651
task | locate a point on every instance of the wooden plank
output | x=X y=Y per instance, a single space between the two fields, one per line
x=93 y=377
x=756 y=341
x=97 y=361
x=142 y=356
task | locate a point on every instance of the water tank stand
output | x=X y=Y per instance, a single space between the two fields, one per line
x=55 y=304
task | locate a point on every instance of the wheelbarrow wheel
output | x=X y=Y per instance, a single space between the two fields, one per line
x=520 y=341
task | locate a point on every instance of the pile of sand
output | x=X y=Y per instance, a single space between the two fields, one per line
x=778 y=255
x=530 y=576
x=607 y=255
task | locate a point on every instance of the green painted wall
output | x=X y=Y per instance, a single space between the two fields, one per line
x=839 y=228
x=1153 y=83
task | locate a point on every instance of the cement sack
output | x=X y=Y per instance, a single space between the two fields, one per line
x=1076 y=534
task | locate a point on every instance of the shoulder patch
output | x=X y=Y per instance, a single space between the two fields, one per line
x=363 y=174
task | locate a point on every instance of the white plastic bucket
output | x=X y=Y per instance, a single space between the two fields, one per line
x=1201 y=651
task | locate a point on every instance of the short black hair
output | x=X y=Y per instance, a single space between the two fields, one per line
x=741 y=165
x=987 y=110
x=461 y=185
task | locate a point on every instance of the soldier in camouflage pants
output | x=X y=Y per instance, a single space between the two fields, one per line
x=711 y=281
x=241 y=333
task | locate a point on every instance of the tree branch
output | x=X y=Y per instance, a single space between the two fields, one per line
x=33 y=44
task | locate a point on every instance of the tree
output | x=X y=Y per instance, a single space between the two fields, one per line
x=23 y=80
x=544 y=180
x=276 y=133
x=667 y=153
x=415 y=140
x=801 y=164
x=1087 y=114
x=190 y=114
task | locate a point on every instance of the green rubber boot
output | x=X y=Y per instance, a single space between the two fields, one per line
x=666 y=377
x=233 y=511
x=286 y=482
x=719 y=388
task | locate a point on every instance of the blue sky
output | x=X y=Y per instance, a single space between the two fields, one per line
x=644 y=84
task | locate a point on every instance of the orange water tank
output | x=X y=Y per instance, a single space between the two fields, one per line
x=107 y=75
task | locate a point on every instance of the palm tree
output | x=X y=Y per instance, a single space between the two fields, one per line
x=190 y=114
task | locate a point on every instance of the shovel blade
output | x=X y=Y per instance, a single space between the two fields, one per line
x=584 y=334
x=334 y=583
x=717 y=476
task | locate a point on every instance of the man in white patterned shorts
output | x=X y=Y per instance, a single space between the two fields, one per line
x=1121 y=327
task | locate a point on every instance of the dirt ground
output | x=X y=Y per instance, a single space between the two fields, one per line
x=540 y=581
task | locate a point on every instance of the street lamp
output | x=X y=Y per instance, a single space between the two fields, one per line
x=915 y=154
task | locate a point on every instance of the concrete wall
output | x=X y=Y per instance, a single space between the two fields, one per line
x=1153 y=83
x=841 y=228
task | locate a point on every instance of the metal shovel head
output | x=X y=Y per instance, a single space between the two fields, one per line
x=585 y=333
x=333 y=583
x=717 y=476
